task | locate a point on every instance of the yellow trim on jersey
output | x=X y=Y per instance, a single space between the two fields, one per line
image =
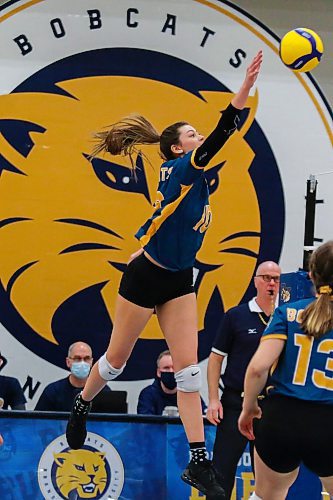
x=166 y=212
x=158 y=201
x=193 y=162
x=281 y=336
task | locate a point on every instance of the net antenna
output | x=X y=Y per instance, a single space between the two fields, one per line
x=310 y=213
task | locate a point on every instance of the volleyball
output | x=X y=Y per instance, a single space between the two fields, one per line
x=301 y=49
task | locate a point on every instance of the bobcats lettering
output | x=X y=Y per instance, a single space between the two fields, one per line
x=95 y=22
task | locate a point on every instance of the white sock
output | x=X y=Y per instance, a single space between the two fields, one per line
x=254 y=496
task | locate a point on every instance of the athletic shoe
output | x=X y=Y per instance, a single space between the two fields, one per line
x=204 y=478
x=76 y=431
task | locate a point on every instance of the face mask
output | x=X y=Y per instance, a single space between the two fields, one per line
x=80 y=369
x=168 y=379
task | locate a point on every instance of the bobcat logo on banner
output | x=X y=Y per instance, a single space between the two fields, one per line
x=95 y=471
x=67 y=224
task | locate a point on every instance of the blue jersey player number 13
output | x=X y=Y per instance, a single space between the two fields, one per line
x=295 y=419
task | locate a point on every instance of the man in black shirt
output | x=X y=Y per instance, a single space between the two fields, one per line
x=59 y=395
x=163 y=391
x=11 y=392
x=237 y=340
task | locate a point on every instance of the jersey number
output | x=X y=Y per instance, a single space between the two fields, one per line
x=319 y=378
x=205 y=220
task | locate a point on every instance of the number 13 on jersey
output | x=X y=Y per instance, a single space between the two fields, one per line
x=305 y=345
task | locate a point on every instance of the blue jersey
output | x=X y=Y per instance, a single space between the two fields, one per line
x=174 y=233
x=305 y=366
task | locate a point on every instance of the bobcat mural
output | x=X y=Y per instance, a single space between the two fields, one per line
x=67 y=223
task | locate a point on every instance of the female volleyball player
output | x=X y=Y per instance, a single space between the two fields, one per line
x=296 y=418
x=160 y=274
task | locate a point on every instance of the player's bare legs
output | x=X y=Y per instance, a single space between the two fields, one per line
x=272 y=485
x=129 y=322
x=178 y=321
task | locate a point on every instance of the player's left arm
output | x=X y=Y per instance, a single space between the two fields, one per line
x=230 y=117
x=252 y=72
x=257 y=371
x=256 y=376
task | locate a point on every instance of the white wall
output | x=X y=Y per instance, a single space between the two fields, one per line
x=283 y=15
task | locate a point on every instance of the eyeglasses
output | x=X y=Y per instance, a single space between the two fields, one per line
x=268 y=278
x=81 y=358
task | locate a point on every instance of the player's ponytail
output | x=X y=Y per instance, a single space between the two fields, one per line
x=317 y=317
x=124 y=136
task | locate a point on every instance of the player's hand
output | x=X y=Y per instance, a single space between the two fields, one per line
x=253 y=70
x=239 y=99
x=1 y=440
x=245 y=421
x=214 y=412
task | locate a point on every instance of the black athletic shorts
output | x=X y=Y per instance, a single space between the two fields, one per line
x=148 y=285
x=293 y=431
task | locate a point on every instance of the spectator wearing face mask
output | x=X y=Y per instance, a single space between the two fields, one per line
x=163 y=391
x=59 y=395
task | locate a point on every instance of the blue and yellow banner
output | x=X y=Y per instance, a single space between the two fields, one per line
x=133 y=458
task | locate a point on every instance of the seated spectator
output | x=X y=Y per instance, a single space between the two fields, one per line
x=163 y=391
x=11 y=392
x=59 y=395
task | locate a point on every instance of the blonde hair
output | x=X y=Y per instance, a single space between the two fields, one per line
x=317 y=317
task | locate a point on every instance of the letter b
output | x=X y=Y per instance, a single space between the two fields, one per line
x=95 y=19
x=23 y=44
